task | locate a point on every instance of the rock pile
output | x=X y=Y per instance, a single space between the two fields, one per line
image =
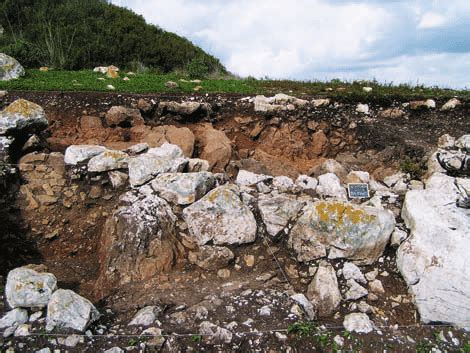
x=29 y=288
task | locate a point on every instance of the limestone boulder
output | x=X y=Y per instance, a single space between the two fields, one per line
x=433 y=259
x=278 y=211
x=183 y=188
x=329 y=185
x=341 y=230
x=10 y=68
x=28 y=288
x=77 y=154
x=146 y=316
x=247 y=178
x=138 y=240
x=22 y=117
x=107 y=161
x=323 y=291
x=164 y=159
x=185 y=109
x=14 y=317
x=67 y=309
x=358 y=322
x=222 y=217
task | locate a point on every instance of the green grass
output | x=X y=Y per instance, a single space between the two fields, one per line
x=86 y=80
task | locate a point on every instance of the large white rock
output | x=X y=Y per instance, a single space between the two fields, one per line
x=434 y=258
x=14 y=317
x=451 y=104
x=10 y=68
x=67 y=309
x=183 y=188
x=362 y=108
x=222 y=217
x=308 y=307
x=28 y=288
x=358 y=322
x=246 y=178
x=283 y=183
x=305 y=182
x=76 y=154
x=108 y=160
x=278 y=211
x=357 y=233
x=145 y=167
x=351 y=271
x=145 y=316
x=166 y=151
x=330 y=185
x=138 y=240
x=323 y=291
x=22 y=116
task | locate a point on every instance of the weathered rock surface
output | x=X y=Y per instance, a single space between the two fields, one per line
x=433 y=260
x=29 y=288
x=247 y=178
x=10 y=68
x=211 y=257
x=76 y=154
x=351 y=271
x=451 y=104
x=183 y=188
x=67 y=309
x=5 y=143
x=123 y=116
x=164 y=159
x=14 y=317
x=357 y=233
x=330 y=185
x=137 y=241
x=358 y=322
x=145 y=316
x=108 y=160
x=278 y=211
x=323 y=291
x=185 y=108
x=215 y=147
x=22 y=117
x=306 y=305
x=222 y=217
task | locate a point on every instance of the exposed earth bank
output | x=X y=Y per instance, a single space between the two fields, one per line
x=223 y=221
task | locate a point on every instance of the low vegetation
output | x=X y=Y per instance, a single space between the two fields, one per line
x=151 y=82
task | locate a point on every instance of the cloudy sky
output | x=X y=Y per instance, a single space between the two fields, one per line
x=410 y=41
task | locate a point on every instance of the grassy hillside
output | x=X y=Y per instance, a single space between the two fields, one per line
x=78 y=34
x=86 y=80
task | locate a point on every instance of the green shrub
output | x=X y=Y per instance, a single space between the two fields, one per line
x=26 y=53
x=197 y=68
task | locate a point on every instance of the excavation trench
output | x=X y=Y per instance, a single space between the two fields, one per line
x=60 y=212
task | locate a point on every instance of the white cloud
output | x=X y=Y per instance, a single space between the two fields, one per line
x=317 y=39
x=431 y=20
